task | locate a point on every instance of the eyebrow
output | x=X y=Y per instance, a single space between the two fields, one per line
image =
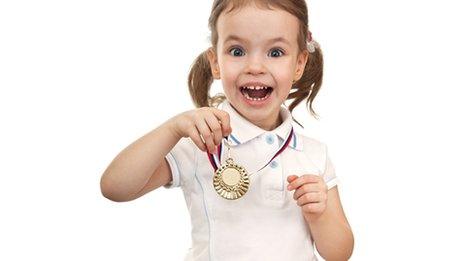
x=274 y=40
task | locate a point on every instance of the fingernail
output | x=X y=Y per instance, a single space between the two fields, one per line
x=289 y=187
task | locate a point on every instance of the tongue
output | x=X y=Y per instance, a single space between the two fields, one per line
x=256 y=93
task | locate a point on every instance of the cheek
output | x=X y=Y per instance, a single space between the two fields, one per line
x=283 y=71
x=283 y=75
x=229 y=73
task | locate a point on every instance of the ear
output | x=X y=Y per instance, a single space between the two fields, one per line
x=213 y=63
x=301 y=63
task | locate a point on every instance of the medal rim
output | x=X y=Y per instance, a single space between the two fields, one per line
x=228 y=191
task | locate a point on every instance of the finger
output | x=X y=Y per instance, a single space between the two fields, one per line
x=195 y=136
x=215 y=127
x=307 y=178
x=306 y=188
x=206 y=134
x=311 y=197
x=291 y=178
x=313 y=207
x=224 y=119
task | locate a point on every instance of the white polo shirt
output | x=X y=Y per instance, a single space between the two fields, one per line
x=264 y=224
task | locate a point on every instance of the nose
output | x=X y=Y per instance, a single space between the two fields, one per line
x=255 y=65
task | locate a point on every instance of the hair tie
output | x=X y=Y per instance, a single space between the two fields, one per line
x=311 y=43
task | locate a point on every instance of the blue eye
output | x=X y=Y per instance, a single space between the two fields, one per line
x=276 y=51
x=236 y=51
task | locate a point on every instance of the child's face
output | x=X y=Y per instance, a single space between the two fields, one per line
x=254 y=57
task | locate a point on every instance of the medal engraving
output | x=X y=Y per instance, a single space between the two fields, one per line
x=231 y=180
x=231 y=176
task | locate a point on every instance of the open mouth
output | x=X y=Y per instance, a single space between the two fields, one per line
x=256 y=93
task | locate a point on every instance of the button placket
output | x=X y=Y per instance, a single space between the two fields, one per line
x=274 y=183
x=273 y=178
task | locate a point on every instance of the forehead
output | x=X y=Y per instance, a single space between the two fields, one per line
x=255 y=24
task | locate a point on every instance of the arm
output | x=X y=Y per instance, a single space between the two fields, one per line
x=140 y=167
x=330 y=230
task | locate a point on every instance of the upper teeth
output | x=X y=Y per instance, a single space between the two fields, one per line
x=256 y=87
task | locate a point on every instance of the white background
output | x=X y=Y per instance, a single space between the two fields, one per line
x=81 y=80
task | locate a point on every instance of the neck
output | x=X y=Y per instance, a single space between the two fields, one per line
x=265 y=124
x=270 y=124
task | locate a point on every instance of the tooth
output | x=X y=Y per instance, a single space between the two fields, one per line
x=255 y=87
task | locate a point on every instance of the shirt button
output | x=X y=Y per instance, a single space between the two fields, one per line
x=274 y=164
x=269 y=139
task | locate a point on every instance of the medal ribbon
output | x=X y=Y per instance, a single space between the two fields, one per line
x=213 y=158
x=216 y=160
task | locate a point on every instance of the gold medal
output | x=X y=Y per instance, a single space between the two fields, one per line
x=231 y=180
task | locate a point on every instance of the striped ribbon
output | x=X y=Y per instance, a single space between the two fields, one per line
x=216 y=160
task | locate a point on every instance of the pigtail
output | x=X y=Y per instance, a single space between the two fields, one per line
x=310 y=82
x=199 y=81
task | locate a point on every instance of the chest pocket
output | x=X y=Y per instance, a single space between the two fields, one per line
x=274 y=182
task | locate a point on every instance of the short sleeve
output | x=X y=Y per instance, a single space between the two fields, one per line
x=181 y=160
x=329 y=175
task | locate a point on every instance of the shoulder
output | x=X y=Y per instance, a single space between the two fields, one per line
x=182 y=161
x=186 y=142
x=314 y=149
x=184 y=151
x=310 y=144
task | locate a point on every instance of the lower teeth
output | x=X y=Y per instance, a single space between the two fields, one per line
x=255 y=99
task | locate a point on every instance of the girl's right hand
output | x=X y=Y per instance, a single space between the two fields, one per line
x=209 y=122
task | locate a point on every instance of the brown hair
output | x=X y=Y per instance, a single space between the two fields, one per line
x=200 y=77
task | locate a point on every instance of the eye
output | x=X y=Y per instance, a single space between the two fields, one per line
x=236 y=51
x=276 y=52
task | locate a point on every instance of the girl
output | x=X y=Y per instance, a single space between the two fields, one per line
x=255 y=189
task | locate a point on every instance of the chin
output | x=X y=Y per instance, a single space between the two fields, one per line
x=256 y=112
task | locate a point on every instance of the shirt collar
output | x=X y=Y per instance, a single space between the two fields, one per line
x=243 y=130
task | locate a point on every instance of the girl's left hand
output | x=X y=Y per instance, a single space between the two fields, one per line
x=310 y=194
